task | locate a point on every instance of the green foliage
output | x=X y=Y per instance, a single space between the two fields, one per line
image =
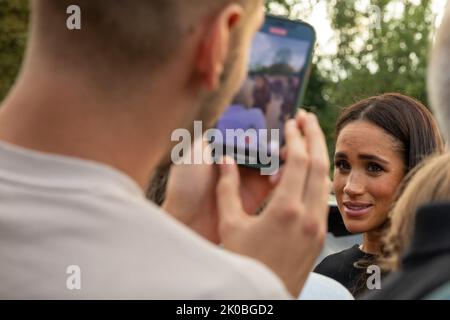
x=377 y=52
x=315 y=102
x=284 y=4
x=13 y=32
x=391 y=56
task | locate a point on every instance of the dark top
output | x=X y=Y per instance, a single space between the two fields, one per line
x=341 y=267
x=426 y=265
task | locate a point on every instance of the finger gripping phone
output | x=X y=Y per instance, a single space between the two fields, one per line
x=279 y=67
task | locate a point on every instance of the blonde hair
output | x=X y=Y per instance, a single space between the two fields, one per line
x=428 y=182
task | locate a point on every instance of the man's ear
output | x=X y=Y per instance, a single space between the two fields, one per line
x=215 y=43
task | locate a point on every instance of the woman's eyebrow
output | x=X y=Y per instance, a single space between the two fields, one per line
x=362 y=156
x=341 y=155
x=372 y=157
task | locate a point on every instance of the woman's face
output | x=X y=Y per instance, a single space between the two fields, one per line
x=368 y=170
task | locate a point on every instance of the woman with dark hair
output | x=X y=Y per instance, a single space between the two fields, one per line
x=379 y=140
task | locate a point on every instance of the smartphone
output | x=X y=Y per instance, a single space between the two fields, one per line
x=278 y=72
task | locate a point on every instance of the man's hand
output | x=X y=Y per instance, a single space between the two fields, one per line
x=289 y=234
x=191 y=195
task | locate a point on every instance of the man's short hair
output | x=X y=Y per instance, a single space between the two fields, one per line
x=131 y=35
x=439 y=76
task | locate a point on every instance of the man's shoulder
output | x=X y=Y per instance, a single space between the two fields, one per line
x=192 y=266
x=125 y=248
x=74 y=212
x=221 y=274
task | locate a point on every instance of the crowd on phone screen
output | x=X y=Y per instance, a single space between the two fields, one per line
x=273 y=97
x=75 y=166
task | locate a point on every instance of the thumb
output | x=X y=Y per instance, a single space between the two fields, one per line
x=229 y=202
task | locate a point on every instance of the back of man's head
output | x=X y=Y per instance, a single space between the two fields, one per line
x=439 y=75
x=127 y=37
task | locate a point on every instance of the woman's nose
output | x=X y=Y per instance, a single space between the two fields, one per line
x=354 y=185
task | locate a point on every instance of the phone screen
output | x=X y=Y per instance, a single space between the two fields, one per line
x=279 y=65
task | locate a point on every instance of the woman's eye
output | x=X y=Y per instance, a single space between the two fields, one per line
x=374 y=168
x=342 y=165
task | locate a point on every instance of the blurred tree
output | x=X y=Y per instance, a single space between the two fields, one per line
x=382 y=46
x=13 y=31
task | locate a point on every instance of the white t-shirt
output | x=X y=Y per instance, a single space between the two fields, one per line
x=320 y=287
x=57 y=212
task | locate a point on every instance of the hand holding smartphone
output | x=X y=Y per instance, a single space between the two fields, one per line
x=279 y=67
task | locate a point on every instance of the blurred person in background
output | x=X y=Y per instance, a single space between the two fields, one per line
x=428 y=183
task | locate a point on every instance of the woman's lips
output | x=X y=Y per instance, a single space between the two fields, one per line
x=357 y=209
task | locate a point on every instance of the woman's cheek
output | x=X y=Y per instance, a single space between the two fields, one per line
x=338 y=182
x=382 y=193
x=338 y=187
x=384 y=188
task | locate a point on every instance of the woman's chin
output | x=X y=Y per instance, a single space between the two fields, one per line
x=356 y=228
